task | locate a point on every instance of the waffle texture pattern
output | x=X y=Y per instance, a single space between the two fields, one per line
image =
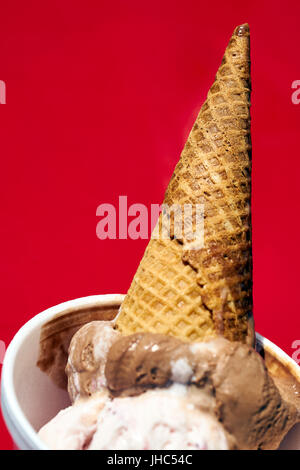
x=197 y=293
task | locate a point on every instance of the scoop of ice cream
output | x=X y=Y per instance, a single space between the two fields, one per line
x=87 y=358
x=171 y=418
x=247 y=402
x=158 y=419
x=56 y=334
x=144 y=360
x=74 y=427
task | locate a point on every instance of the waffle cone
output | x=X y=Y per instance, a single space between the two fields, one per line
x=194 y=293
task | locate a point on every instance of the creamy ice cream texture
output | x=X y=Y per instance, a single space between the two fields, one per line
x=152 y=391
x=176 y=369
x=160 y=419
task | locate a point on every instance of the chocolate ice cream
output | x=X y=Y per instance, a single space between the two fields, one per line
x=87 y=358
x=246 y=400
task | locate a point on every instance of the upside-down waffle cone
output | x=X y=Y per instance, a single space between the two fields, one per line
x=196 y=293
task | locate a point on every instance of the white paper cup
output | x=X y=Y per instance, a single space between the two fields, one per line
x=29 y=398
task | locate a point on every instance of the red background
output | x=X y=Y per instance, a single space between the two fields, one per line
x=100 y=99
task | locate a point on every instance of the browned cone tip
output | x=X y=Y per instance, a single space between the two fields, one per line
x=199 y=293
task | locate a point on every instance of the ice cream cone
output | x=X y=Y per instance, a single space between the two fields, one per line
x=189 y=292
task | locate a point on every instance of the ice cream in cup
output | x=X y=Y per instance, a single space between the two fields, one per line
x=30 y=398
x=174 y=364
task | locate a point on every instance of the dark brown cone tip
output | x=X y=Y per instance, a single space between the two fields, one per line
x=242 y=30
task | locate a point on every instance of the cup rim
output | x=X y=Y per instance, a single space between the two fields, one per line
x=280 y=355
x=18 y=425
